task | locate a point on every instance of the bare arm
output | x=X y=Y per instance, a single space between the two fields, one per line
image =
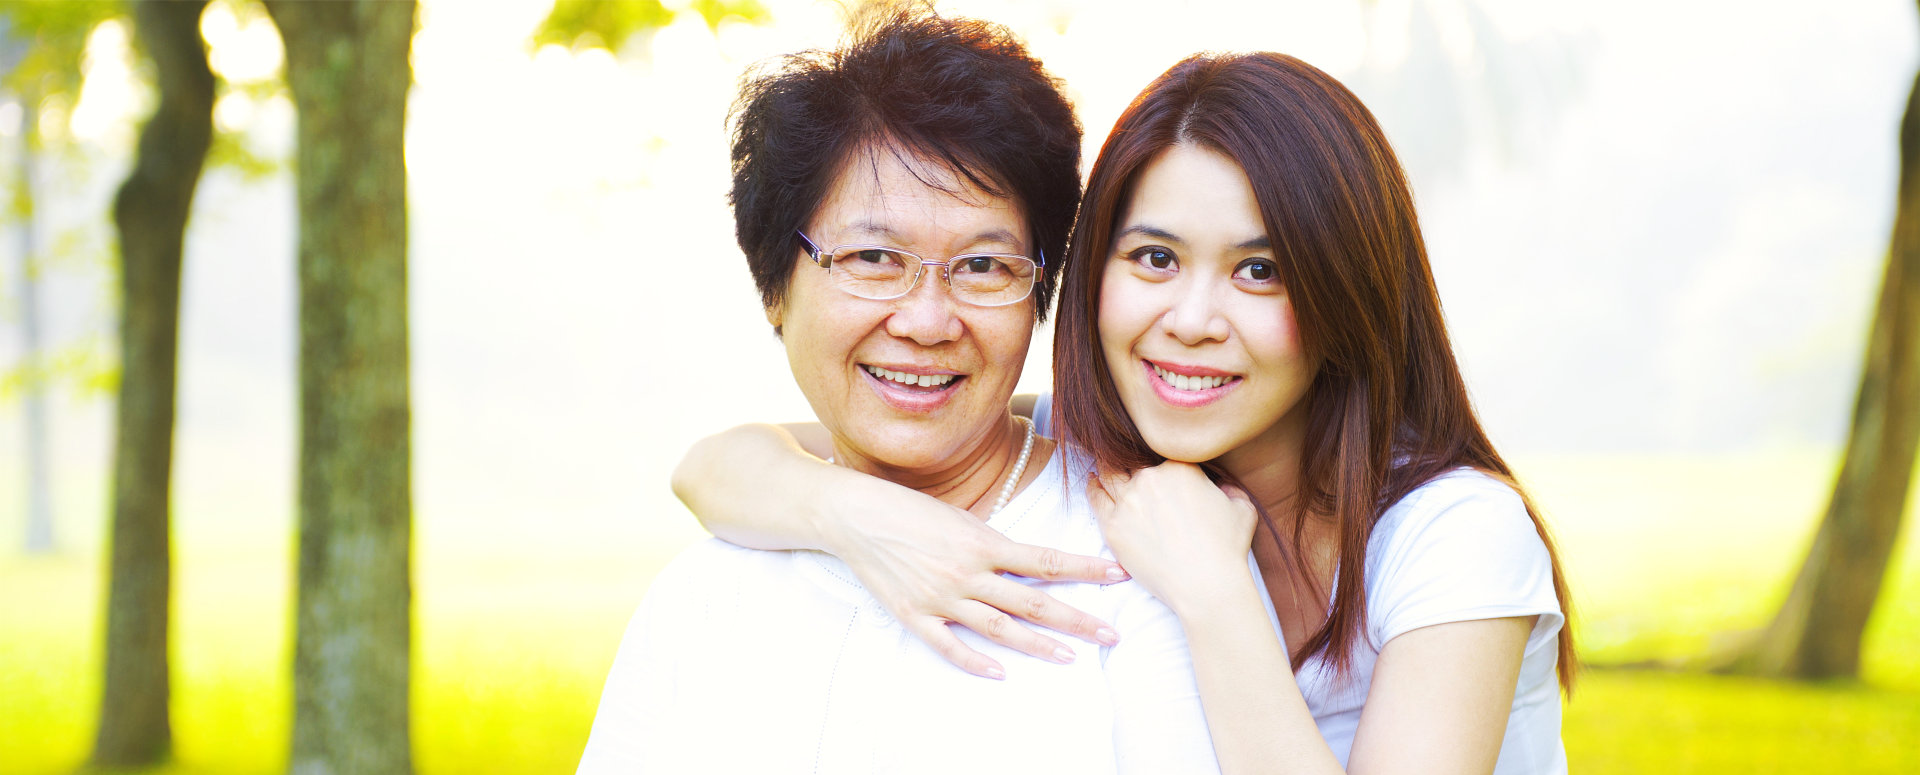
x=928 y=563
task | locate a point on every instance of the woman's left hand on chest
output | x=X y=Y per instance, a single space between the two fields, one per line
x=1174 y=530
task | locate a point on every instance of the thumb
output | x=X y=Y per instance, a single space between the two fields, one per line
x=1237 y=495
x=1098 y=497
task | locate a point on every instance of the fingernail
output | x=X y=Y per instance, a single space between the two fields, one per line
x=1106 y=636
x=1062 y=655
x=1115 y=573
x=996 y=674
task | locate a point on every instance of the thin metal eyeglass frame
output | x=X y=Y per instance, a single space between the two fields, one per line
x=824 y=260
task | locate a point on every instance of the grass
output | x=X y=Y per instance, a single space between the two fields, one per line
x=513 y=635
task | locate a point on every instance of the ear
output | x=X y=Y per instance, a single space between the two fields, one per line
x=775 y=312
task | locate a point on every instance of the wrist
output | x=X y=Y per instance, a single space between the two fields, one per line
x=1227 y=596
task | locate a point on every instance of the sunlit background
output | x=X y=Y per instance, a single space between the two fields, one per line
x=1657 y=228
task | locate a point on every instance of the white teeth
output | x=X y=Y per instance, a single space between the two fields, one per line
x=1184 y=382
x=921 y=380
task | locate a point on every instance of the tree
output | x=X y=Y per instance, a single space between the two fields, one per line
x=1817 y=631
x=151 y=213
x=348 y=68
x=40 y=51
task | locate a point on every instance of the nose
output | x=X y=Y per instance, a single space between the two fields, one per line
x=1194 y=316
x=927 y=314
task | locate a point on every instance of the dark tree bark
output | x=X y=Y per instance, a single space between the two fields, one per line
x=151 y=215
x=348 y=67
x=1817 y=631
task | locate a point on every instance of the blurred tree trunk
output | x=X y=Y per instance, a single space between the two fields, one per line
x=1817 y=631
x=349 y=71
x=151 y=214
x=26 y=237
x=13 y=49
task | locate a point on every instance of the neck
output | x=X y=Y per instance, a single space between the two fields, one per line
x=971 y=480
x=1268 y=467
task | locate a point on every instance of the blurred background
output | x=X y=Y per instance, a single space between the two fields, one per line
x=1659 y=230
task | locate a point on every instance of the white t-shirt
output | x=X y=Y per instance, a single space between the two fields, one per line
x=1458 y=548
x=780 y=662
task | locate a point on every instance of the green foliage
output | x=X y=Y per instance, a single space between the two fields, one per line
x=88 y=366
x=54 y=36
x=609 y=24
x=582 y=24
x=717 y=10
x=231 y=152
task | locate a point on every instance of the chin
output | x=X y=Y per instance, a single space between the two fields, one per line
x=1184 y=448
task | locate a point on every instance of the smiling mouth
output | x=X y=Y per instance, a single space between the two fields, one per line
x=1184 y=383
x=928 y=383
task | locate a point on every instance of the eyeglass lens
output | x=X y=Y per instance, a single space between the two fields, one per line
x=880 y=273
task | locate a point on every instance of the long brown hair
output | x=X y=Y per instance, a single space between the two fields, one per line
x=1388 y=410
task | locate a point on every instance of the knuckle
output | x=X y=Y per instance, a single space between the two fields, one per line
x=1035 y=605
x=997 y=626
x=1052 y=563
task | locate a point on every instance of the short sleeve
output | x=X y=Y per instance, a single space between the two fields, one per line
x=1459 y=548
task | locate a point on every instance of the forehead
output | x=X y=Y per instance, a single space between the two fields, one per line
x=882 y=194
x=1196 y=193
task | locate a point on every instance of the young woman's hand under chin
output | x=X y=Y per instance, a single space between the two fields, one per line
x=1176 y=531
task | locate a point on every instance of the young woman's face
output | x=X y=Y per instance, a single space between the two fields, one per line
x=1194 y=322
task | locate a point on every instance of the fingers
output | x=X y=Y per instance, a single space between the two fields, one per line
x=997 y=626
x=934 y=631
x=1043 y=609
x=1039 y=562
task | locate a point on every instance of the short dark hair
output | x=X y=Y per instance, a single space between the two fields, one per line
x=961 y=92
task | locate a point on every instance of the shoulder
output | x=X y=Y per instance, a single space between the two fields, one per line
x=1463 y=501
x=1459 y=547
x=704 y=568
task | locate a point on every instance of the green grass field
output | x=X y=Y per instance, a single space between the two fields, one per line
x=513 y=637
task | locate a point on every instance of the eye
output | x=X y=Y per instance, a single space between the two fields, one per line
x=978 y=265
x=1259 y=270
x=873 y=256
x=1153 y=257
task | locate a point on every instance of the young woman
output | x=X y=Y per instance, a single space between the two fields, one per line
x=1250 y=352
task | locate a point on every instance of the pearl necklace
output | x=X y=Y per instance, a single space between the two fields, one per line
x=1019 y=467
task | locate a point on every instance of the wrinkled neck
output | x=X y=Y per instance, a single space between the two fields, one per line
x=970 y=481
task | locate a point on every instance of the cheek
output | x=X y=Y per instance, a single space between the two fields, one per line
x=1272 y=333
x=1126 y=310
x=1004 y=338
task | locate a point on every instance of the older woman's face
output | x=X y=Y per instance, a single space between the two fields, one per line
x=853 y=357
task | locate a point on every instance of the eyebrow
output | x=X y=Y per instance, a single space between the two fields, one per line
x=882 y=231
x=1154 y=232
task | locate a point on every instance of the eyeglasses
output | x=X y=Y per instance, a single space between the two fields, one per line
x=881 y=273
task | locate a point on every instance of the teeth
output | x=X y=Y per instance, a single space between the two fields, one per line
x=1184 y=382
x=921 y=380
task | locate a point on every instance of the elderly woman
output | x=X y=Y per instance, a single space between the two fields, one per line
x=897 y=202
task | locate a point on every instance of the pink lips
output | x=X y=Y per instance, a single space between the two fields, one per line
x=1188 y=399
x=911 y=399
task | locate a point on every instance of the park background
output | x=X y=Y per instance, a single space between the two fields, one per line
x=1658 y=229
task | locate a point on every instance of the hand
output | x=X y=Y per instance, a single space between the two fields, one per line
x=929 y=564
x=1175 y=531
